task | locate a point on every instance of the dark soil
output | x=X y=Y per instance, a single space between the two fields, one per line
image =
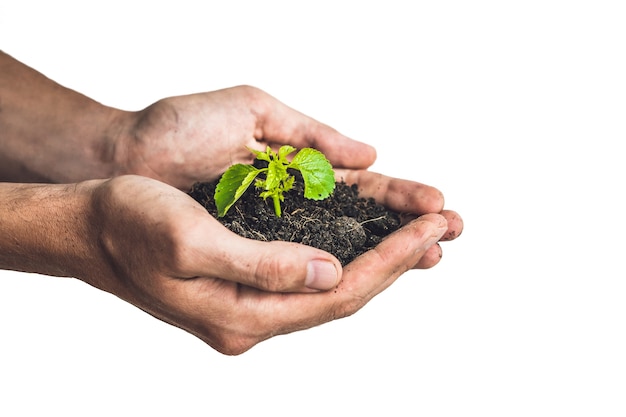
x=344 y=224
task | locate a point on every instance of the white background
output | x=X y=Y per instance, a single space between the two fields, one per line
x=515 y=110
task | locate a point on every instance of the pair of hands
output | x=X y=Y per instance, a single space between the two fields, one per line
x=165 y=254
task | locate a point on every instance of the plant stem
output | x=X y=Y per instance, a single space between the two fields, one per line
x=277 y=209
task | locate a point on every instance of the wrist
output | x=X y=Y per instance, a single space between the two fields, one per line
x=145 y=143
x=111 y=152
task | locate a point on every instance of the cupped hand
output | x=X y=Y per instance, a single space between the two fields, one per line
x=185 y=139
x=165 y=254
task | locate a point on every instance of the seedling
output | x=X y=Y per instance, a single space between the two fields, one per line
x=317 y=173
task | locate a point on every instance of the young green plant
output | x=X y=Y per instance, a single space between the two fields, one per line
x=317 y=173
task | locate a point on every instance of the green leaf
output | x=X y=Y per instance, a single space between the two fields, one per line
x=284 y=151
x=317 y=172
x=276 y=172
x=288 y=183
x=234 y=182
x=262 y=156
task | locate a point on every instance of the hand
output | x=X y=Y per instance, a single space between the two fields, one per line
x=165 y=254
x=185 y=139
x=178 y=140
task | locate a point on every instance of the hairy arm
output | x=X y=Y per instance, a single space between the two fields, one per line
x=49 y=133
x=45 y=228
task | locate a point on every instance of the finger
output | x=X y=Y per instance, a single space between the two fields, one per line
x=435 y=253
x=280 y=124
x=430 y=258
x=400 y=195
x=271 y=266
x=284 y=267
x=455 y=224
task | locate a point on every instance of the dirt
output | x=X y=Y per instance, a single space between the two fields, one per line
x=343 y=224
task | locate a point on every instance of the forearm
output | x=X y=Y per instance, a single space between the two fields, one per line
x=49 y=133
x=47 y=229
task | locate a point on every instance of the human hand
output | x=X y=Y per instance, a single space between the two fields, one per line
x=185 y=139
x=165 y=254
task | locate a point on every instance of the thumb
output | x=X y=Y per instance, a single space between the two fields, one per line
x=277 y=266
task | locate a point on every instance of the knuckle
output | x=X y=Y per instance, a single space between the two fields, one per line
x=272 y=274
x=250 y=92
x=349 y=306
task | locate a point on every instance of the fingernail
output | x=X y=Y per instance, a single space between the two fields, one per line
x=321 y=275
